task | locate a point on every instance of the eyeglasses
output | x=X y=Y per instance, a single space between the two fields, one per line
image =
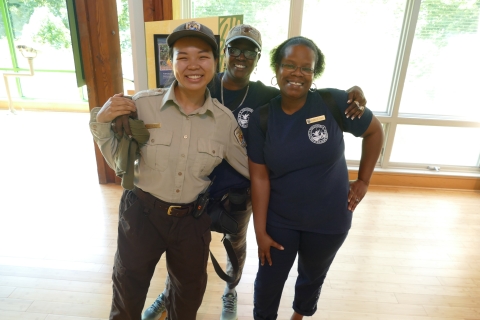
x=249 y=54
x=292 y=68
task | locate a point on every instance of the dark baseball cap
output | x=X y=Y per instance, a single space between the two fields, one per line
x=192 y=29
x=245 y=31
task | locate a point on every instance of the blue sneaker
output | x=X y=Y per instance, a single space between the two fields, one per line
x=156 y=309
x=229 y=311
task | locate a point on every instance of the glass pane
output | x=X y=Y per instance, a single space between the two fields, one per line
x=50 y=86
x=436 y=145
x=353 y=146
x=125 y=44
x=257 y=13
x=42 y=25
x=359 y=39
x=444 y=60
x=5 y=61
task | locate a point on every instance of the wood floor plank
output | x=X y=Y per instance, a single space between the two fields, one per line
x=66 y=296
x=16 y=315
x=7 y=304
x=57 y=317
x=70 y=309
x=438 y=300
x=55 y=284
x=5 y=291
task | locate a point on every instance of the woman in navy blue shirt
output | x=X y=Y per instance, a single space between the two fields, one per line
x=301 y=196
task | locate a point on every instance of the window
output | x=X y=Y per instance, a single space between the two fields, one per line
x=357 y=51
x=257 y=13
x=444 y=63
x=435 y=145
x=42 y=25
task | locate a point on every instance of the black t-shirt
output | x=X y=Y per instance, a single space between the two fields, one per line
x=258 y=94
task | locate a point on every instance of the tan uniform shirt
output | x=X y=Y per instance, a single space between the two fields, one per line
x=183 y=149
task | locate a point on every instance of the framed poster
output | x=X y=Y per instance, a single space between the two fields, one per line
x=163 y=66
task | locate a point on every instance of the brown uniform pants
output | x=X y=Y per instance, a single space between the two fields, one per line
x=144 y=234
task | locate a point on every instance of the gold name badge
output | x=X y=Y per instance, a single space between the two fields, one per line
x=315 y=119
x=153 y=125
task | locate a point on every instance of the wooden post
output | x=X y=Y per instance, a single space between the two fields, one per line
x=101 y=55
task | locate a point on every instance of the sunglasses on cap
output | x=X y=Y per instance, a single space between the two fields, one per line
x=249 y=54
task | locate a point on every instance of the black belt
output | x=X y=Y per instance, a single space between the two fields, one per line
x=172 y=209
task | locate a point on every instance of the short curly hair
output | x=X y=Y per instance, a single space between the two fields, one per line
x=278 y=53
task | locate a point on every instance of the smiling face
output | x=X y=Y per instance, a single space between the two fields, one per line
x=240 y=67
x=193 y=63
x=295 y=84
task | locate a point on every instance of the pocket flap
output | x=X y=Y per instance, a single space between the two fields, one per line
x=213 y=148
x=160 y=137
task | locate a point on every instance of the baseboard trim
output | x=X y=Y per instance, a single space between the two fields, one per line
x=420 y=180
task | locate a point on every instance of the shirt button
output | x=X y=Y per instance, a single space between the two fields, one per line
x=153 y=140
x=179 y=173
x=213 y=151
x=185 y=137
x=183 y=156
x=177 y=191
x=94 y=126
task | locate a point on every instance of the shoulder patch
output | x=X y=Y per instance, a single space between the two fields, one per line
x=239 y=136
x=146 y=93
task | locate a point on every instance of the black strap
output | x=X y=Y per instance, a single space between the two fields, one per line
x=329 y=101
x=233 y=260
x=332 y=106
x=264 y=118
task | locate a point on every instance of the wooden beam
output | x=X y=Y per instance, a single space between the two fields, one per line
x=100 y=49
x=157 y=10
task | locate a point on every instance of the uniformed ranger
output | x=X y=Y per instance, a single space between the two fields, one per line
x=190 y=134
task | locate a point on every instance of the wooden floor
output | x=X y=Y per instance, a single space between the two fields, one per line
x=411 y=253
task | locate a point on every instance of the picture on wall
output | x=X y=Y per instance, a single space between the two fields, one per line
x=163 y=65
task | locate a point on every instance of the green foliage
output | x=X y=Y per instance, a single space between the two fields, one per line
x=439 y=19
x=54 y=33
x=124 y=25
x=123 y=18
x=51 y=34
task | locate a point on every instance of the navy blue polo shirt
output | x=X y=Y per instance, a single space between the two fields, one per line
x=258 y=94
x=308 y=172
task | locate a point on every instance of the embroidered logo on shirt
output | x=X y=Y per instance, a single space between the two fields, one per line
x=239 y=136
x=318 y=134
x=244 y=116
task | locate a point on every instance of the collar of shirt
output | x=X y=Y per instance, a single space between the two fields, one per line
x=170 y=97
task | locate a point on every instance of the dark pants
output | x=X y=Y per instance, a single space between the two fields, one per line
x=315 y=255
x=144 y=234
x=239 y=240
